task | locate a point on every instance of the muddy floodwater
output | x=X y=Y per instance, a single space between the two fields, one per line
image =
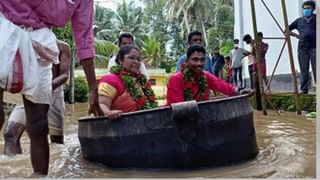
x=287 y=145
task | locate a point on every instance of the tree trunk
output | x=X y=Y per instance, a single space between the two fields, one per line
x=204 y=32
x=186 y=21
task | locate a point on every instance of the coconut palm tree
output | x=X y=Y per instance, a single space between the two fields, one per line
x=155 y=20
x=102 y=18
x=104 y=50
x=224 y=23
x=129 y=18
x=176 y=8
x=152 y=52
x=195 y=13
x=103 y=27
x=200 y=12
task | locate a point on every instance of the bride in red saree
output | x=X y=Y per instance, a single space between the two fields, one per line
x=125 y=89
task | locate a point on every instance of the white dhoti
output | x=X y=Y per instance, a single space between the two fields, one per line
x=56 y=113
x=17 y=115
x=37 y=50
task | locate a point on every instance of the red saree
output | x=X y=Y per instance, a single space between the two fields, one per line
x=112 y=87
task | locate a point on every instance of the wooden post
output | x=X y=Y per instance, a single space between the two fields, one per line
x=293 y=72
x=259 y=85
x=257 y=96
x=71 y=81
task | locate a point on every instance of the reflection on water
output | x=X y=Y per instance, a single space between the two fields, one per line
x=286 y=143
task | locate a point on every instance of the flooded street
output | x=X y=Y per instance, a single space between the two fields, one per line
x=287 y=145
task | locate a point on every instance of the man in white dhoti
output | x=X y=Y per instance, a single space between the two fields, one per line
x=17 y=119
x=27 y=43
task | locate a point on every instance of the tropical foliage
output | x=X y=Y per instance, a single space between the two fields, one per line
x=65 y=34
x=195 y=13
x=152 y=51
x=127 y=18
x=160 y=28
x=81 y=90
x=104 y=51
x=102 y=23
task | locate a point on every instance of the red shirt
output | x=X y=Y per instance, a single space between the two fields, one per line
x=175 y=87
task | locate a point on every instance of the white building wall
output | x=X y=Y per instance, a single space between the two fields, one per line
x=265 y=23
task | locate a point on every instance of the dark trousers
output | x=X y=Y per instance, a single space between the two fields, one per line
x=237 y=72
x=306 y=57
x=216 y=72
x=229 y=79
x=250 y=68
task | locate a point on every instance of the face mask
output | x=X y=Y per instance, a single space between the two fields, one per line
x=236 y=45
x=307 y=12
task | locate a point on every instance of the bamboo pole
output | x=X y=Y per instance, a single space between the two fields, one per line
x=259 y=85
x=293 y=72
x=71 y=80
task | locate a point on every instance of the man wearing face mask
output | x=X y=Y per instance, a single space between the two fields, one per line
x=306 y=27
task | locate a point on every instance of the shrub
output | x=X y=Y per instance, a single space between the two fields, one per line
x=287 y=102
x=80 y=90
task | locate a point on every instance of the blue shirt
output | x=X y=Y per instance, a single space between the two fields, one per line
x=207 y=65
x=307 y=32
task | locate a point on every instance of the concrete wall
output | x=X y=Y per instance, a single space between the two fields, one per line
x=283 y=83
x=265 y=23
